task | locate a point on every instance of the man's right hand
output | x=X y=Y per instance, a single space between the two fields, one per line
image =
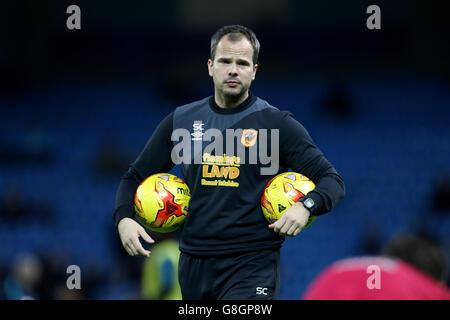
x=129 y=232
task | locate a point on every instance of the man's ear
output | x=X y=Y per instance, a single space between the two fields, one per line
x=255 y=68
x=210 y=65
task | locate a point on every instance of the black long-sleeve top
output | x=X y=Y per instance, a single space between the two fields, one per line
x=224 y=211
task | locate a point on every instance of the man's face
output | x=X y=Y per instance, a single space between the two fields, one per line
x=232 y=69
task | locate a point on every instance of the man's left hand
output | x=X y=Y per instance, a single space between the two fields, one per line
x=292 y=221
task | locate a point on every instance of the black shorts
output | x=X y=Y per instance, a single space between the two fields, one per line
x=248 y=276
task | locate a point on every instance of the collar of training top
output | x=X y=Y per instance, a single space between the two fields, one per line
x=244 y=105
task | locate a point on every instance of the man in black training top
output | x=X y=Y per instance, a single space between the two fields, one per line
x=228 y=250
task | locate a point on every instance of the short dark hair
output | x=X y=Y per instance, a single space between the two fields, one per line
x=422 y=253
x=235 y=33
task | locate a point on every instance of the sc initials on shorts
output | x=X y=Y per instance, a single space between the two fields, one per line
x=261 y=290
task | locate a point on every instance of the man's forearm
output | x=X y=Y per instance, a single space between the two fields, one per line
x=330 y=189
x=125 y=195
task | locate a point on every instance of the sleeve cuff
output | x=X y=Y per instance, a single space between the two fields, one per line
x=318 y=202
x=123 y=212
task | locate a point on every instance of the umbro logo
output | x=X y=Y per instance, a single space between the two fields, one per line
x=197 y=135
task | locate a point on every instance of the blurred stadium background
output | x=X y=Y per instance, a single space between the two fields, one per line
x=76 y=107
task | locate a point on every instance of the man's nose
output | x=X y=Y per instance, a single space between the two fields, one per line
x=233 y=71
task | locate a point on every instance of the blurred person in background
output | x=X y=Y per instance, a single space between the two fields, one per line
x=411 y=268
x=419 y=252
x=24 y=278
x=160 y=273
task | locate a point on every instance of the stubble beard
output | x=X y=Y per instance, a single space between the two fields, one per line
x=231 y=96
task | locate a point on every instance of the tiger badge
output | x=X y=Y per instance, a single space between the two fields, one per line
x=249 y=136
